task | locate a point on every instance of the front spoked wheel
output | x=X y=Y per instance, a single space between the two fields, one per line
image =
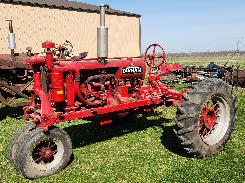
x=44 y=153
x=47 y=154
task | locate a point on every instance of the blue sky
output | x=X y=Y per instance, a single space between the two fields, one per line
x=184 y=25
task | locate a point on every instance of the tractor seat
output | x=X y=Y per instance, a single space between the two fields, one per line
x=81 y=55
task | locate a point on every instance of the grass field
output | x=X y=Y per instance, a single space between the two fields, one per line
x=204 y=60
x=137 y=150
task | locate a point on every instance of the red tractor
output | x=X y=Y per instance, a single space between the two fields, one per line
x=104 y=88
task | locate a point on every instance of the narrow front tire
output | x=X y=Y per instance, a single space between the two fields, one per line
x=44 y=153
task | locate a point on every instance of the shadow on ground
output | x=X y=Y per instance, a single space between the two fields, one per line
x=13 y=112
x=171 y=142
x=90 y=133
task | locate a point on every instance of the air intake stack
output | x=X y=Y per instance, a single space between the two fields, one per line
x=102 y=34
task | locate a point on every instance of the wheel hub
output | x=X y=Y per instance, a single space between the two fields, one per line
x=208 y=119
x=46 y=153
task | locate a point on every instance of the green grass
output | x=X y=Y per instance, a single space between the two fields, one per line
x=233 y=60
x=138 y=150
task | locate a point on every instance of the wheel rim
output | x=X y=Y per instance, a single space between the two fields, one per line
x=47 y=154
x=214 y=120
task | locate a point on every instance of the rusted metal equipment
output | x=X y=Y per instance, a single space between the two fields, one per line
x=100 y=89
x=15 y=74
x=233 y=76
x=15 y=80
x=236 y=77
x=16 y=77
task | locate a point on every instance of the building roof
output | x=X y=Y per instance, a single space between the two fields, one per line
x=69 y=5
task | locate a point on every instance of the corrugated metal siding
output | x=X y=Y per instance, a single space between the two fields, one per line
x=34 y=25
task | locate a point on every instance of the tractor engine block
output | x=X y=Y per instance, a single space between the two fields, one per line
x=105 y=88
x=97 y=88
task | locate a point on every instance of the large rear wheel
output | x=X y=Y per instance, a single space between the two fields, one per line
x=206 y=118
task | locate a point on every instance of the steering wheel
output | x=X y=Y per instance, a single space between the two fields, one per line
x=151 y=63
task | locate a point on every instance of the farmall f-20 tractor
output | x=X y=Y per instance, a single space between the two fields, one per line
x=103 y=88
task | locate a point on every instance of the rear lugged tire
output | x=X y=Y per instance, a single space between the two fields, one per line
x=44 y=153
x=205 y=119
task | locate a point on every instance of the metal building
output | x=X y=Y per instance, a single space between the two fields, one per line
x=36 y=21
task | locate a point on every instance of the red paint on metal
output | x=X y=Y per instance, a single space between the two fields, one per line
x=49 y=59
x=46 y=108
x=70 y=91
x=106 y=122
x=48 y=45
x=208 y=119
x=47 y=153
x=57 y=86
x=44 y=152
x=123 y=90
x=85 y=88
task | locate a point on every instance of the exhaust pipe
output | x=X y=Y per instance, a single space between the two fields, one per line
x=11 y=39
x=102 y=35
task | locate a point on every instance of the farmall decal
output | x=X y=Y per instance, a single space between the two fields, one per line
x=132 y=70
